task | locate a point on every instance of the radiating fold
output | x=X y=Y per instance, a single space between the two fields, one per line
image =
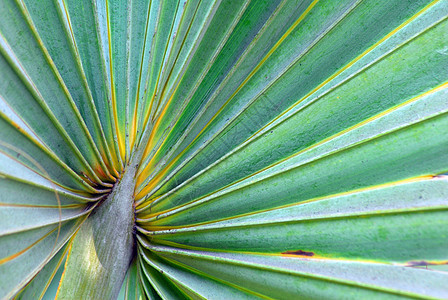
x=283 y=149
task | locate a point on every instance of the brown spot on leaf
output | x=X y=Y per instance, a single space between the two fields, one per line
x=423 y=263
x=299 y=252
x=420 y=263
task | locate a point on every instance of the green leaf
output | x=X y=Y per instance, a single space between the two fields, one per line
x=41 y=285
x=273 y=149
x=287 y=277
x=132 y=286
x=194 y=285
x=20 y=42
x=24 y=254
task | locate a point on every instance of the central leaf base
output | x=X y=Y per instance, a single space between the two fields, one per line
x=103 y=248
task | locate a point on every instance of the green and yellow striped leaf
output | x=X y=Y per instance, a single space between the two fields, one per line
x=223 y=149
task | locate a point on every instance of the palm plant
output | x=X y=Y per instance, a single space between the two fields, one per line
x=223 y=149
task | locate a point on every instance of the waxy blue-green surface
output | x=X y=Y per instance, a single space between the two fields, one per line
x=223 y=149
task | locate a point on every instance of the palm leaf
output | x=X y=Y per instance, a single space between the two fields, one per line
x=223 y=149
